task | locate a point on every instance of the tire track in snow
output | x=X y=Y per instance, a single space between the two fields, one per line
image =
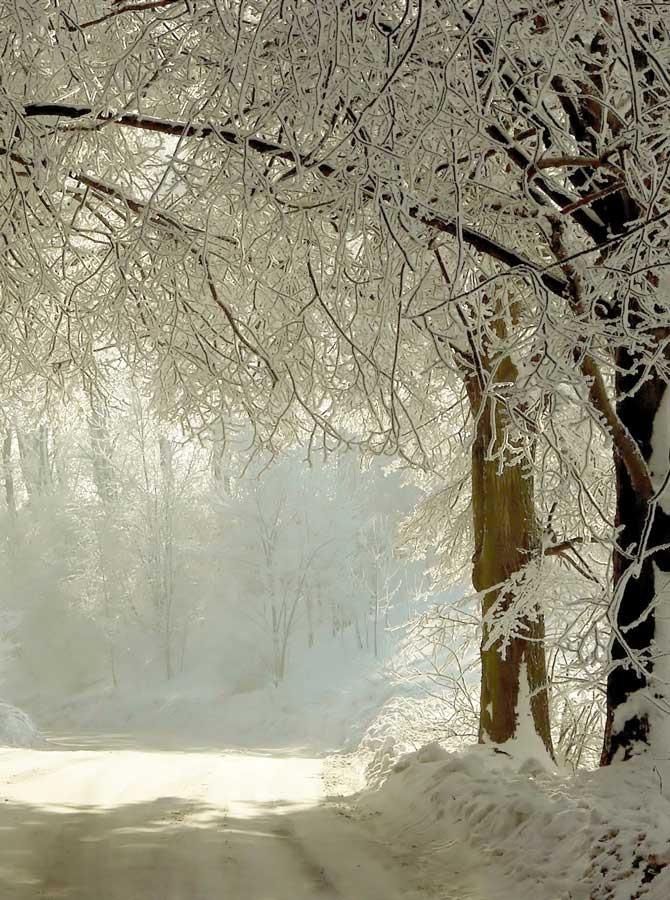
x=310 y=865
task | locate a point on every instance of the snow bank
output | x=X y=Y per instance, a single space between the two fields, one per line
x=17 y=729
x=601 y=835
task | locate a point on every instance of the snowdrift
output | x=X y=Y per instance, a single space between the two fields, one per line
x=599 y=835
x=17 y=729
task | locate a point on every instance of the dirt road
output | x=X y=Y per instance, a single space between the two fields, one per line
x=104 y=820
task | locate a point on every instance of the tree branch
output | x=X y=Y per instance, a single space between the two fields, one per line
x=177 y=129
x=475 y=239
x=624 y=443
x=559 y=549
x=625 y=446
x=132 y=7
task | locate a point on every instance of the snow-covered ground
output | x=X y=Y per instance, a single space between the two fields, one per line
x=171 y=791
x=158 y=821
x=539 y=834
x=121 y=824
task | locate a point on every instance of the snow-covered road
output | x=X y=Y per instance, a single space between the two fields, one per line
x=105 y=820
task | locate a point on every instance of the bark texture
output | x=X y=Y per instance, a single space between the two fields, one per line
x=644 y=526
x=507 y=539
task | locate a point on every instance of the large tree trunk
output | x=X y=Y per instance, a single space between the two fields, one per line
x=637 y=720
x=514 y=689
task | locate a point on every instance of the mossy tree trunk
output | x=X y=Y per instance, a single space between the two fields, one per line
x=507 y=540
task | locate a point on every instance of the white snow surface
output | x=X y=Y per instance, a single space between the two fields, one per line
x=199 y=788
x=538 y=834
x=17 y=729
x=99 y=819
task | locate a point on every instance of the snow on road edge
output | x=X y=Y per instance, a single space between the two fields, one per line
x=540 y=834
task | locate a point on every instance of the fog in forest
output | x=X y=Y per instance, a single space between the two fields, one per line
x=334 y=450
x=149 y=578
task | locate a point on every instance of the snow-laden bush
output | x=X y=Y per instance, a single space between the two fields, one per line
x=17 y=729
